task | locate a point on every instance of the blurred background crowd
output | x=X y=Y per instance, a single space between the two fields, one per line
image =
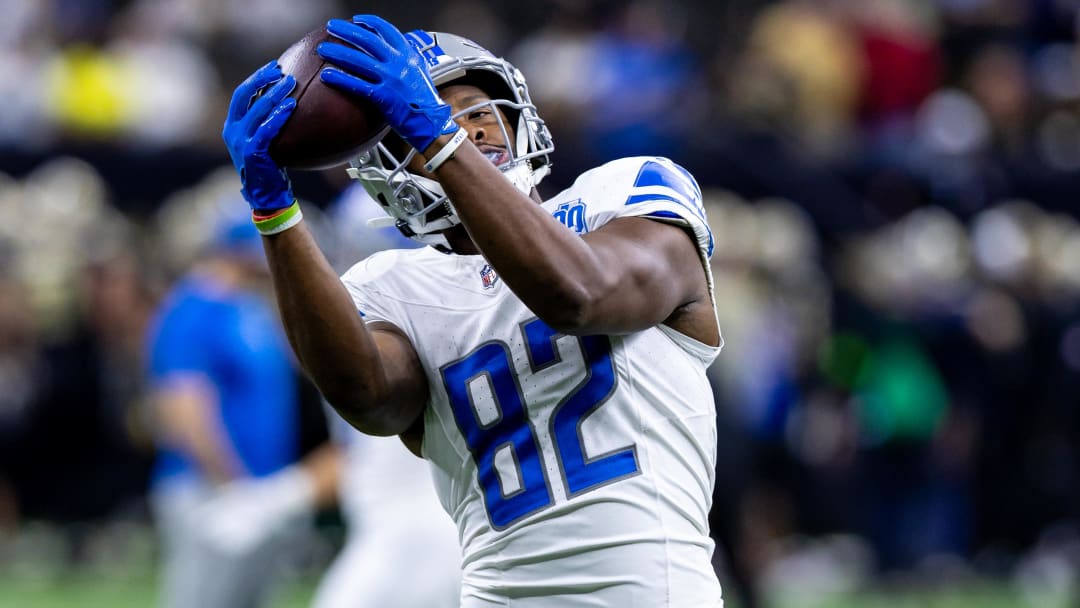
x=893 y=187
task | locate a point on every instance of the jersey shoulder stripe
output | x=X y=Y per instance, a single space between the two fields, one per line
x=637 y=186
x=667 y=181
x=663 y=180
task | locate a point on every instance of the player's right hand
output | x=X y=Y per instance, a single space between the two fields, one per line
x=377 y=62
x=256 y=114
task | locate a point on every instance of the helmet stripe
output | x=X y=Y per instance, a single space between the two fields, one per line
x=426 y=46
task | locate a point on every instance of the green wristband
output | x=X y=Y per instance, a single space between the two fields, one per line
x=280 y=221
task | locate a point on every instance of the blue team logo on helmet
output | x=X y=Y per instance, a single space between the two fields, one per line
x=426 y=46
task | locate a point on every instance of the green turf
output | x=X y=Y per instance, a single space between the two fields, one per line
x=975 y=595
x=85 y=591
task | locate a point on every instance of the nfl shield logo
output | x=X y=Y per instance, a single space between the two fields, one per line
x=488 y=276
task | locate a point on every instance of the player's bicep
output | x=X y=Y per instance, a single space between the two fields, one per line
x=401 y=364
x=655 y=268
x=405 y=390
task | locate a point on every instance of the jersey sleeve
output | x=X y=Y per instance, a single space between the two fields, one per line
x=362 y=283
x=652 y=187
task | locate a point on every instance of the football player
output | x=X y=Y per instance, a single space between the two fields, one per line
x=548 y=357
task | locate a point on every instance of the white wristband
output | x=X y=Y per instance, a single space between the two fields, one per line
x=447 y=151
x=279 y=222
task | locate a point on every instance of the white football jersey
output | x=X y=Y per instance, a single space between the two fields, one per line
x=579 y=470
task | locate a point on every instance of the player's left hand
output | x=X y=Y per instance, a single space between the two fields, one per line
x=259 y=108
x=378 y=63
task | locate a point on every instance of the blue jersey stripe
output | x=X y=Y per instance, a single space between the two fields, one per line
x=676 y=216
x=678 y=200
x=690 y=179
x=653 y=173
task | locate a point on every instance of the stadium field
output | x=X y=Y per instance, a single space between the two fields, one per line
x=85 y=591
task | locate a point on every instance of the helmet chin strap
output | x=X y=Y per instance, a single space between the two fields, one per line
x=381 y=222
x=520 y=174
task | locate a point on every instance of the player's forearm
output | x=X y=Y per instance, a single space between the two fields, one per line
x=550 y=268
x=325 y=329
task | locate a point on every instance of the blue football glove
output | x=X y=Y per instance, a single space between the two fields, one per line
x=255 y=117
x=383 y=67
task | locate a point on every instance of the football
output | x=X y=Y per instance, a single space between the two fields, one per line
x=327 y=127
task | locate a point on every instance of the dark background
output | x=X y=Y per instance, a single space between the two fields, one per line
x=892 y=184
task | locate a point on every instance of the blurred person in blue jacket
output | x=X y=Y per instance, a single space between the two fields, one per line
x=228 y=489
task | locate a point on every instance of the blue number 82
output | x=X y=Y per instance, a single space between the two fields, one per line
x=512 y=427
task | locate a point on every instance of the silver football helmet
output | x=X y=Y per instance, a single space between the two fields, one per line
x=416 y=204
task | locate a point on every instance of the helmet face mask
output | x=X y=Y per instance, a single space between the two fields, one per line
x=417 y=203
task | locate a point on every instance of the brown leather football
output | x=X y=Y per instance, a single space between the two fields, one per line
x=328 y=127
